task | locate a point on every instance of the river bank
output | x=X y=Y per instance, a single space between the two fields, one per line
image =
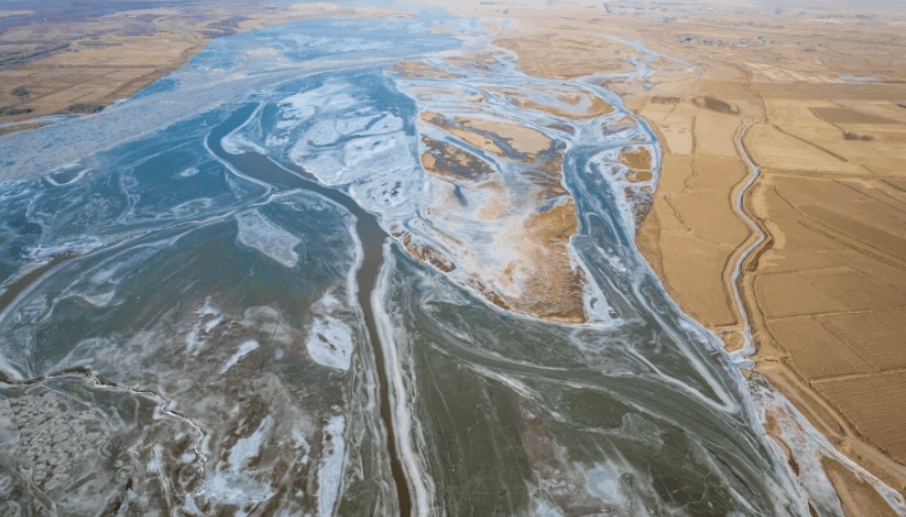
x=698 y=240
x=242 y=288
x=704 y=247
x=60 y=60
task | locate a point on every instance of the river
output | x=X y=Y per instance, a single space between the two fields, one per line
x=300 y=278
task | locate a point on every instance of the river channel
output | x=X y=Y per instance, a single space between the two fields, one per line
x=330 y=268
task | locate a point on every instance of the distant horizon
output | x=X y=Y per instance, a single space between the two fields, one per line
x=797 y=4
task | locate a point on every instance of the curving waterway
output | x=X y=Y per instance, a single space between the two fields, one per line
x=333 y=268
x=371 y=239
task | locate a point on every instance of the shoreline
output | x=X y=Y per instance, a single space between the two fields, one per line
x=371 y=241
x=826 y=418
x=858 y=456
x=748 y=347
x=853 y=489
x=816 y=410
x=95 y=64
x=689 y=175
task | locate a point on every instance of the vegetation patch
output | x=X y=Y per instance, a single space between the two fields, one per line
x=715 y=105
x=848 y=116
x=847 y=135
x=9 y=111
x=21 y=92
x=85 y=108
x=664 y=99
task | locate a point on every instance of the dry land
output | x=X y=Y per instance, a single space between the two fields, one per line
x=539 y=279
x=62 y=59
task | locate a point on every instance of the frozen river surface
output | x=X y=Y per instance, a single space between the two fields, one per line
x=331 y=268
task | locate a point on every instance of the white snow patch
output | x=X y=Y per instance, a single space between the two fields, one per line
x=237 y=143
x=244 y=350
x=303 y=105
x=155 y=464
x=248 y=447
x=210 y=324
x=604 y=483
x=234 y=485
x=233 y=488
x=387 y=124
x=32 y=310
x=83 y=245
x=204 y=324
x=300 y=439
x=257 y=232
x=330 y=471
x=329 y=341
x=544 y=509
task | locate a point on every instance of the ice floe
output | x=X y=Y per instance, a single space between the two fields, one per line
x=257 y=232
x=330 y=469
x=207 y=317
x=244 y=350
x=329 y=341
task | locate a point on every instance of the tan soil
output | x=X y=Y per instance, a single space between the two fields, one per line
x=538 y=279
x=536 y=275
x=420 y=69
x=479 y=60
x=522 y=139
x=856 y=496
x=570 y=104
x=561 y=285
x=96 y=71
x=639 y=159
x=566 y=54
x=481 y=133
x=452 y=162
x=828 y=288
x=20 y=127
x=849 y=116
